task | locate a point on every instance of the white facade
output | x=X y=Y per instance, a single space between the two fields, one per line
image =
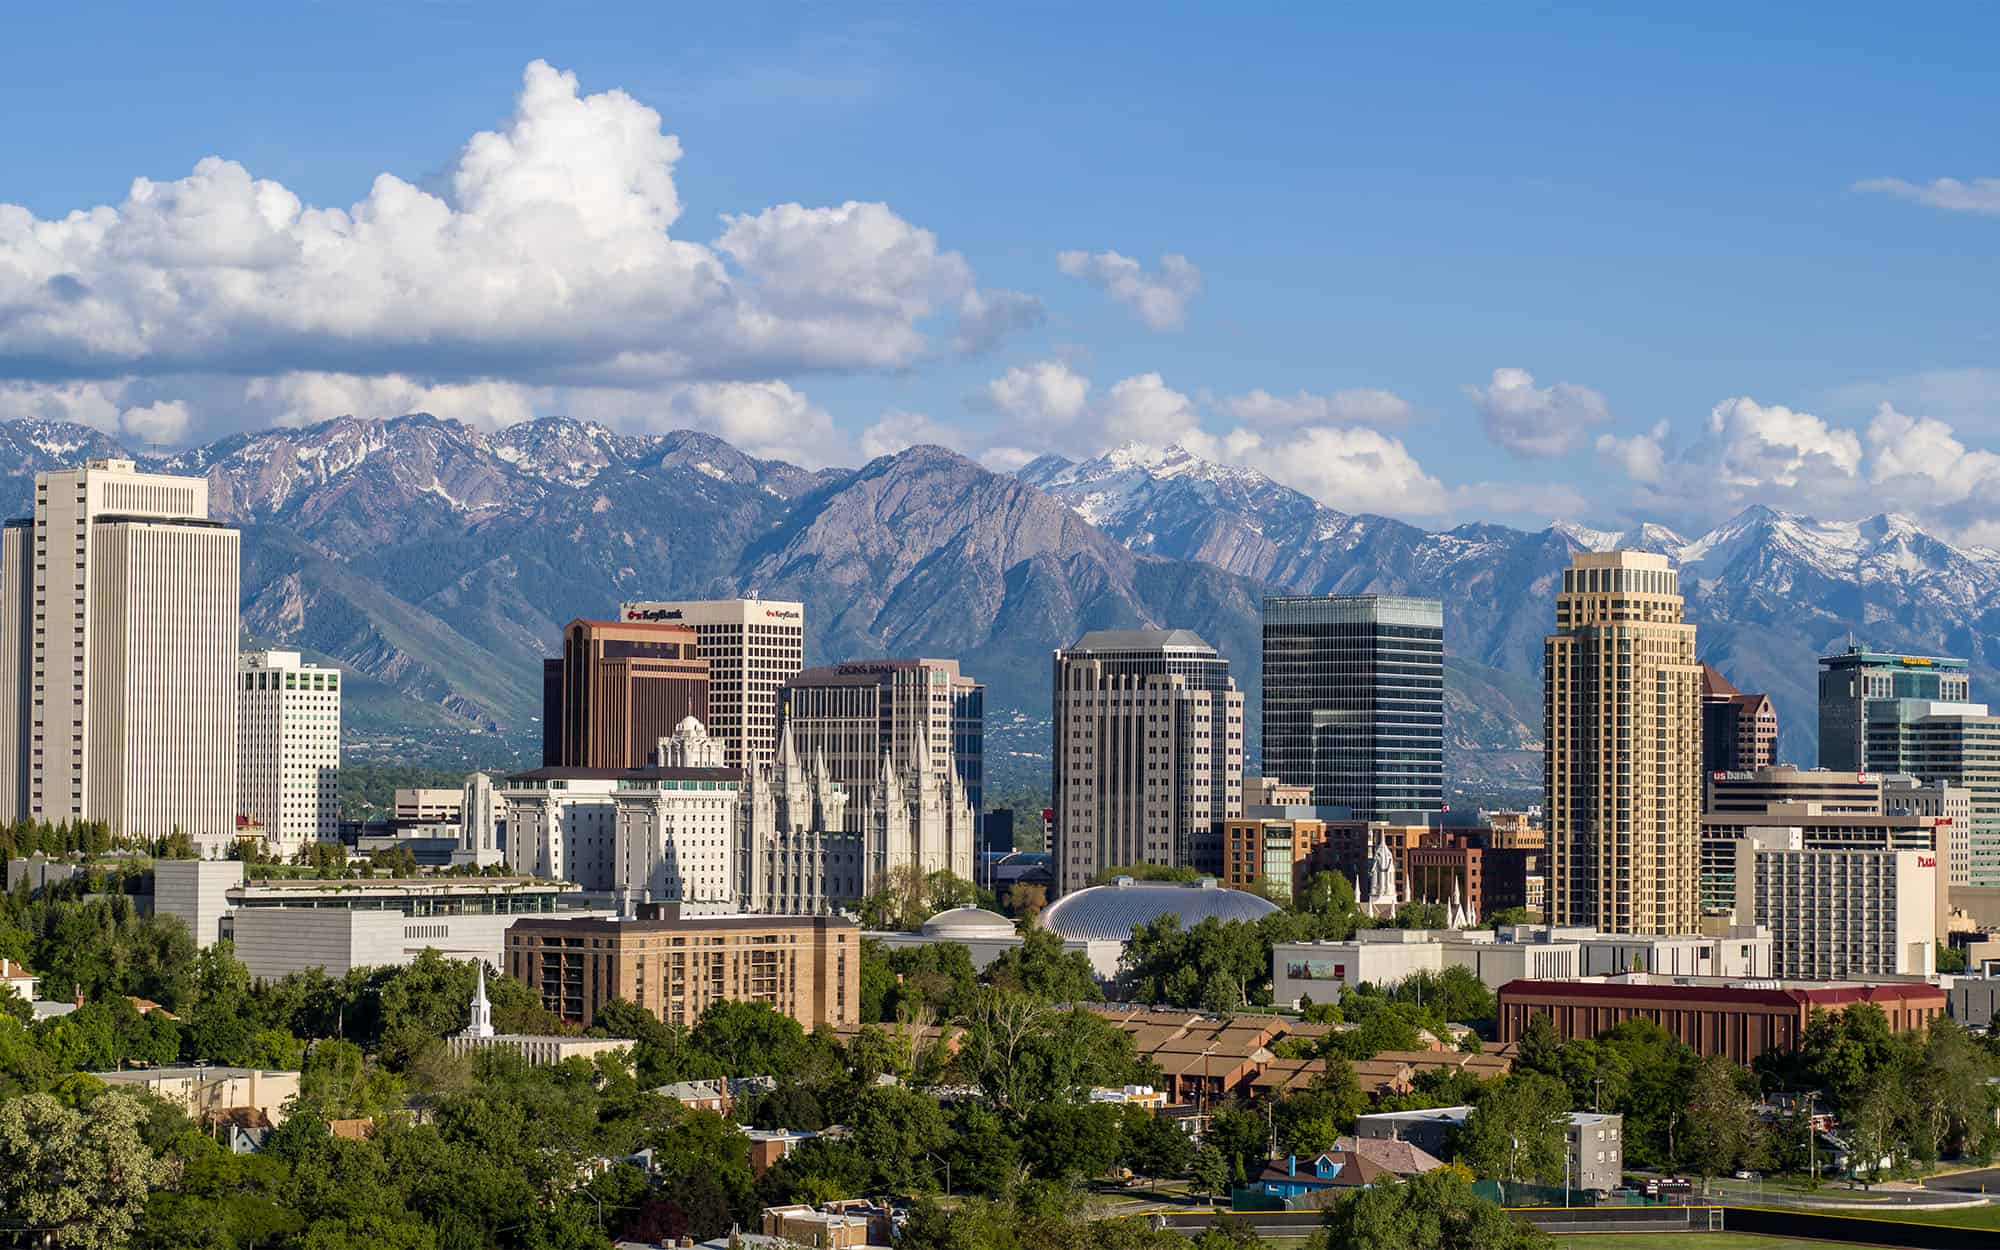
x=1323 y=971
x=1745 y=951
x=125 y=633
x=1836 y=915
x=660 y=834
x=753 y=646
x=288 y=748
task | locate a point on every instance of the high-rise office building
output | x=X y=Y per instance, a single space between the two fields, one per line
x=1622 y=765
x=1148 y=753
x=1853 y=684
x=288 y=748
x=121 y=598
x=1739 y=732
x=858 y=714
x=1954 y=743
x=1354 y=700
x=619 y=688
x=752 y=646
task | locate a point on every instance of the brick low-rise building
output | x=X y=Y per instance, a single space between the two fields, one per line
x=808 y=967
x=1736 y=1021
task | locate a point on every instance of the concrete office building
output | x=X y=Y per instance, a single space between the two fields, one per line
x=281 y=927
x=856 y=714
x=1323 y=971
x=617 y=689
x=1853 y=681
x=664 y=832
x=1954 y=743
x=1596 y=1142
x=1148 y=752
x=1738 y=731
x=1840 y=915
x=119 y=655
x=752 y=646
x=1353 y=700
x=1622 y=765
x=808 y=967
x=288 y=748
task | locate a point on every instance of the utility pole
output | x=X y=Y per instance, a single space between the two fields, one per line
x=1812 y=1140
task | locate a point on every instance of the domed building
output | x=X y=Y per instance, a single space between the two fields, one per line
x=986 y=935
x=1108 y=913
x=968 y=924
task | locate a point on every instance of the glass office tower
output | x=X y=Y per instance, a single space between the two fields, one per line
x=1354 y=700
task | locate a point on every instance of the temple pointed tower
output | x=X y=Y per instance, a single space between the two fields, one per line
x=481 y=1024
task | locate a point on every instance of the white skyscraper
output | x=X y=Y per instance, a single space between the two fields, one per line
x=119 y=655
x=288 y=748
x=752 y=647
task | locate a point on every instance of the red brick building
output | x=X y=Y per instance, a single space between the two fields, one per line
x=1737 y=1022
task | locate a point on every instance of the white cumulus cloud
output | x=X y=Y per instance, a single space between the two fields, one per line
x=1979 y=195
x=897 y=430
x=1160 y=297
x=1532 y=421
x=1357 y=406
x=544 y=258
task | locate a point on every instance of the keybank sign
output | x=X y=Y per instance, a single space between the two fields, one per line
x=652 y=614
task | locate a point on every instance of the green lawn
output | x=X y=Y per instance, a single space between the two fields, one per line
x=1687 y=1241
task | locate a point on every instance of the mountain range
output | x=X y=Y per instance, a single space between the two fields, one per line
x=437 y=562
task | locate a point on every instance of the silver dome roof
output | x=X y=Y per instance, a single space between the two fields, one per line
x=969 y=922
x=1109 y=912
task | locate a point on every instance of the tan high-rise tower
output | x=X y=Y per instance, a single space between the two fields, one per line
x=1622 y=713
x=118 y=655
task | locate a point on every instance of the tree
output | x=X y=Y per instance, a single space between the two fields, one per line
x=1309 y=1121
x=1517 y=1131
x=896 y=1130
x=82 y=1174
x=1210 y=1171
x=1723 y=1132
x=1433 y=1211
x=1073 y=1143
x=748 y=1039
x=1025 y=900
x=1042 y=966
x=1155 y=1145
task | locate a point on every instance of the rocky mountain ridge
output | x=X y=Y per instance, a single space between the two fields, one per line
x=438 y=562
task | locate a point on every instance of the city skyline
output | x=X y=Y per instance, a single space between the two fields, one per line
x=1469 y=383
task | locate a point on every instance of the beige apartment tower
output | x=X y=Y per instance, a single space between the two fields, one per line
x=752 y=647
x=1622 y=767
x=119 y=654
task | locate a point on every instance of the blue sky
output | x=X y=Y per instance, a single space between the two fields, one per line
x=1652 y=221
